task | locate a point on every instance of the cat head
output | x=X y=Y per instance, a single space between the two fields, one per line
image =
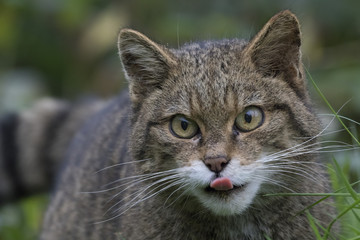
x=213 y=115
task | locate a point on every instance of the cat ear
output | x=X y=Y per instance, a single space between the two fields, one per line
x=146 y=64
x=275 y=51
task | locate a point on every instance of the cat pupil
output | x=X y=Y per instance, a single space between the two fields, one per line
x=248 y=117
x=184 y=125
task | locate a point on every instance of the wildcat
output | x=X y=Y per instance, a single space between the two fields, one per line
x=189 y=152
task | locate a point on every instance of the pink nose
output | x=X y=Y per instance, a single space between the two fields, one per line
x=216 y=164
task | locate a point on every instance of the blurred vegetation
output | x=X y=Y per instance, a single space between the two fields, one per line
x=66 y=48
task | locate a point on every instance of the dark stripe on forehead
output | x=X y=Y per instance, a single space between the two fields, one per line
x=195 y=104
x=191 y=100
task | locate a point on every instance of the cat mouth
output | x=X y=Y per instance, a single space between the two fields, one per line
x=223 y=186
x=235 y=188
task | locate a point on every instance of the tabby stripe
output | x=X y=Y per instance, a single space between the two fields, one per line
x=143 y=150
x=297 y=125
x=8 y=128
x=50 y=134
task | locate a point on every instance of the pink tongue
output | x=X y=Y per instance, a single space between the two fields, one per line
x=221 y=184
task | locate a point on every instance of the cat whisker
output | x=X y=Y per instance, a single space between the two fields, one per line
x=324 y=149
x=294 y=171
x=296 y=166
x=138 y=193
x=342 y=117
x=134 y=181
x=126 y=207
x=324 y=134
x=309 y=149
x=304 y=165
x=164 y=179
x=272 y=181
x=172 y=184
x=161 y=173
x=122 y=164
x=300 y=167
x=183 y=185
x=285 y=161
x=292 y=149
x=283 y=174
x=312 y=138
x=279 y=164
x=190 y=187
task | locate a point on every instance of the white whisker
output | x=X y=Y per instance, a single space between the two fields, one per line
x=162 y=173
x=340 y=116
x=179 y=188
x=324 y=134
x=140 y=191
x=141 y=178
x=312 y=138
x=126 y=207
x=296 y=171
x=310 y=149
x=272 y=181
x=122 y=164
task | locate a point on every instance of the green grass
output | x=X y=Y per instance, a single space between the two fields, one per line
x=21 y=220
x=348 y=205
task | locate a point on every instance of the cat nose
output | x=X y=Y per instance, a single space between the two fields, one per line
x=216 y=164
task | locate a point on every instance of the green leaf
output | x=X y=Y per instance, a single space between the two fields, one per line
x=353 y=193
x=313 y=225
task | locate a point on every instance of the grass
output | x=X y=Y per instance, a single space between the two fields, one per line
x=22 y=220
x=348 y=204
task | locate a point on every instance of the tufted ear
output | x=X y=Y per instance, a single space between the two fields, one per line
x=146 y=64
x=275 y=51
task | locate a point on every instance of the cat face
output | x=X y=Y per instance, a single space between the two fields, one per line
x=211 y=114
x=214 y=117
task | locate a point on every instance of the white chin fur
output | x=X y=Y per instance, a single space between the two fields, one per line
x=221 y=203
x=229 y=204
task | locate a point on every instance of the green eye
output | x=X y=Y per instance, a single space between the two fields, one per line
x=250 y=119
x=183 y=127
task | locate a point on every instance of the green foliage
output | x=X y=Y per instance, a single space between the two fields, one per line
x=351 y=201
x=22 y=220
x=313 y=224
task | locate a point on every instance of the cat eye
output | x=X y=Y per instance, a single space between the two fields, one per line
x=182 y=127
x=250 y=119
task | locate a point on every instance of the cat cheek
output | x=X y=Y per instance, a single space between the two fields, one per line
x=197 y=173
x=244 y=161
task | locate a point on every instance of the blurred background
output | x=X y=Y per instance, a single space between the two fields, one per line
x=67 y=49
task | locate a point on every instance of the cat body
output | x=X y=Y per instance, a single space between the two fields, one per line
x=194 y=146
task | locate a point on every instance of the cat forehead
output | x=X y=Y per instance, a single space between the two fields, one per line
x=207 y=64
x=212 y=74
x=211 y=64
x=208 y=50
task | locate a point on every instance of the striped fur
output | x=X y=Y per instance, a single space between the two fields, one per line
x=33 y=143
x=126 y=175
